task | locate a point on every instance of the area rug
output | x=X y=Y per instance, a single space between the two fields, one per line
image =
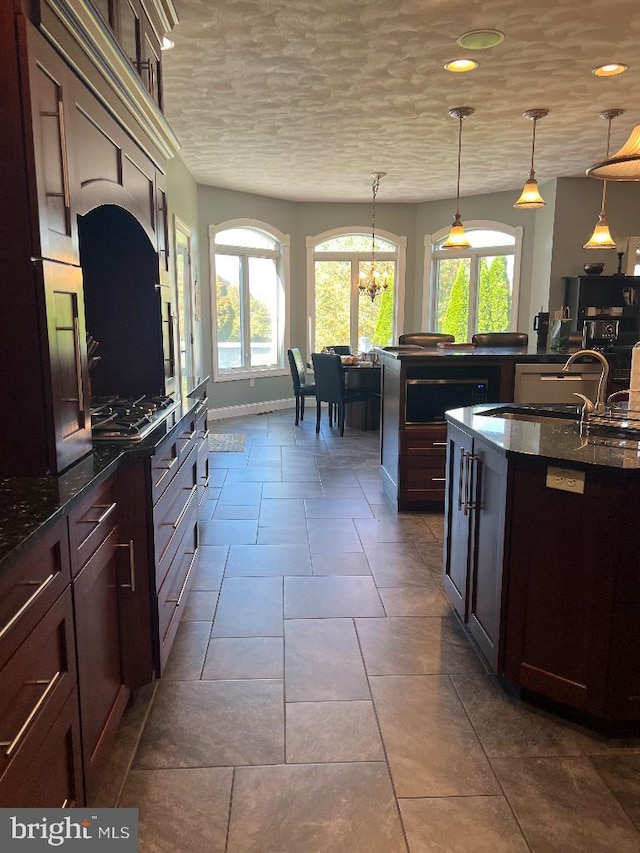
x=220 y=442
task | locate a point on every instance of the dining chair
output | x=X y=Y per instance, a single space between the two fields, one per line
x=331 y=388
x=500 y=339
x=301 y=388
x=425 y=339
x=340 y=349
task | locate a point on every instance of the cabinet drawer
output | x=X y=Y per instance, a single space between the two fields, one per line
x=35 y=682
x=170 y=456
x=174 y=591
x=90 y=522
x=423 y=474
x=172 y=513
x=30 y=587
x=423 y=442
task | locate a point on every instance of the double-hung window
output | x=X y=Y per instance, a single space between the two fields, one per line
x=474 y=290
x=249 y=264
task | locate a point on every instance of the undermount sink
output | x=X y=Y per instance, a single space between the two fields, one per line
x=568 y=414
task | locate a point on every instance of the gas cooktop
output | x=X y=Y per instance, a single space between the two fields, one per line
x=115 y=418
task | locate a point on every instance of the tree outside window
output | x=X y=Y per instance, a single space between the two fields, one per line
x=474 y=289
x=249 y=302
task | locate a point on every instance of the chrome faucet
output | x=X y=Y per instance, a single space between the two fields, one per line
x=598 y=406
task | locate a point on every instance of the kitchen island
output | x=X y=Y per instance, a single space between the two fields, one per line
x=419 y=384
x=541 y=556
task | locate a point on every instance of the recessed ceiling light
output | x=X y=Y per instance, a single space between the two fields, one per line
x=460 y=65
x=167 y=43
x=610 y=70
x=480 y=39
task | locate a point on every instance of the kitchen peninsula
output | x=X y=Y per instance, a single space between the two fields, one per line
x=420 y=383
x=541 y=556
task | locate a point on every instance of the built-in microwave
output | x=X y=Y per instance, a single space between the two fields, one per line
x=426 y=400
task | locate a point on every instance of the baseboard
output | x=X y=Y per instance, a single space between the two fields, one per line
x=261 y=408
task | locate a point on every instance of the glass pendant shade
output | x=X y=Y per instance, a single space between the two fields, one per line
x=623 y=166
x=601 y=238
x=530 y=197
x=457 y=238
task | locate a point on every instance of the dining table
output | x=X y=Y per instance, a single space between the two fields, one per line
x=366 y=375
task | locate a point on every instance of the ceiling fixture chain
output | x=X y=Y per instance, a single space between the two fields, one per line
x=457 y=238
x=601 y=237
x=371 y=284
x=530 y=198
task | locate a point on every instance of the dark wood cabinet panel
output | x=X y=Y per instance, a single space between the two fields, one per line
x=458 y=530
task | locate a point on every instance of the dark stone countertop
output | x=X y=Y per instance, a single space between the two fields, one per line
x=30 y=506
x=453 y=353
x=552 y=439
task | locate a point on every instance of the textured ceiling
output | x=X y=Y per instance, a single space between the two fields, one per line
x=304 y=99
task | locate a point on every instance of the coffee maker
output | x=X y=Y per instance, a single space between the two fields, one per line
x=600 y=334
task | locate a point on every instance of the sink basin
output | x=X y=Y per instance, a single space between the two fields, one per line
x=542 y=414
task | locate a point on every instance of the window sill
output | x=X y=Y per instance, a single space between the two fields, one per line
x=249 y=374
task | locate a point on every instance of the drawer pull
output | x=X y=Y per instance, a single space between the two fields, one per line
x=439 y=443
x=187 y=436
x=438 y=479
x=132 y=566
x=176 y=524
x=167 y=466
x=41 y=587
x=12 y=745
x=206 y=481
x=177 y=601
x=108 y=509
x=205 y=434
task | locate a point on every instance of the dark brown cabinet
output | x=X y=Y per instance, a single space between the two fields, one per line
x=474 y=545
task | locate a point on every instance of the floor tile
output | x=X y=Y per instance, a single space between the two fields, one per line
x=200 y=606
x=562 y=805
x=333 y=536
x=507 y=726
x=249 y=607
x=244 y=658
x=337 y=508
x=431 y=553
x=187 y=654
x=322 y=597
x=319 y=732
x=211 y=562
x=331 y=808
x=214 y=724
x=238 y=494
x=461 y=825
x=283 y=512
x=228 y=532
x=180 y=810
x=265 y=560
x=323 y=661
x=414 y=601
x=340 y=564
x=431 y=746
x=283 y=536
x=621 y=774
x=255 y=474
x=396 y=564
x=415 y=646
x=345 y=493
x=237 y=511
x=217 y=478
x=392 y=529
x=292 y=490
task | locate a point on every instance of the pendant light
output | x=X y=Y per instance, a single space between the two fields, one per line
x=601 y=238
x=370 y=284
x=530 y=198
x=623 y=166
x=457 y=238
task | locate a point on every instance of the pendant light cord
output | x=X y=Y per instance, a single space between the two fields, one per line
x=459 y=162
x=604 y=183
x=532 y=174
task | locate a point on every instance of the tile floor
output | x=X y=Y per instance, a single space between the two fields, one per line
x=320 y=695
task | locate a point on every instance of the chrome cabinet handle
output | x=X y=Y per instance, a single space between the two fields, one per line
x=176 y=524
x=108 y=509
x=462 y=455
x=472 y=459
x=13 y=744
x=168 y=466
x=42 y=585
x=132 y=566
x=439 y=443
x=177 y=601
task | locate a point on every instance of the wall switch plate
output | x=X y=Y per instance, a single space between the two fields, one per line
x=565 y=479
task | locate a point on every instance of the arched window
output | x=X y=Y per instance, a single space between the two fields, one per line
x=339 y=312
x=249 y=298
x=473 y=290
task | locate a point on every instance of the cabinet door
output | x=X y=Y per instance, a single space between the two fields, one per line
x=51 y=106
x=457 y=516
x=488 y=490
x=67 y=362
x=103 y=695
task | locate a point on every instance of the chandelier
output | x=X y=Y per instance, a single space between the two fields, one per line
x=601 y=237
x=530 y=197
x=370 y=284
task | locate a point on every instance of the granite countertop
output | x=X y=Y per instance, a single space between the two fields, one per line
x=29 y=506
x=553 y=439
x=521 y=354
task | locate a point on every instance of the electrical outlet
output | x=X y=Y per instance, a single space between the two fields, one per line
x=565 y=479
